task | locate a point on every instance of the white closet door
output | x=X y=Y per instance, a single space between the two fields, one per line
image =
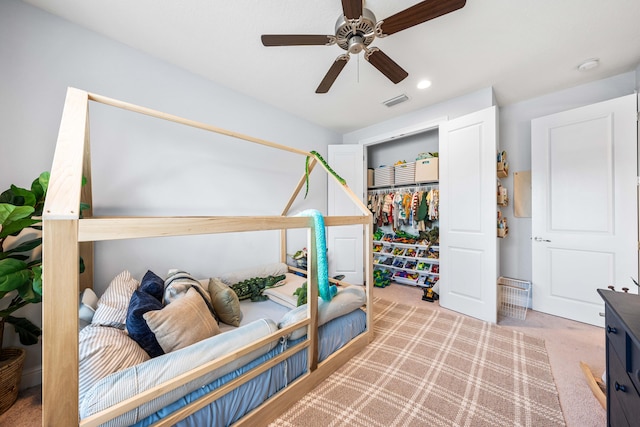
x=344 y=243
x=468 y=242
x=584 y=207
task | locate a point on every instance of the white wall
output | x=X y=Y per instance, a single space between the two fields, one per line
x=142 y=166
x=452 y=108
x=515 y=138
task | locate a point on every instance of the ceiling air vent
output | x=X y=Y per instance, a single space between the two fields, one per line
x=396 y=100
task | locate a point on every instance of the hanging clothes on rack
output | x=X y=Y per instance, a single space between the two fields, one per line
x=433 y=200
x=412 y=206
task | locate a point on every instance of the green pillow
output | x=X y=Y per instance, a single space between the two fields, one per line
x=225 y=302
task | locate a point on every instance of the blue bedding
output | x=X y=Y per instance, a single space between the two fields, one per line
x=235 y=404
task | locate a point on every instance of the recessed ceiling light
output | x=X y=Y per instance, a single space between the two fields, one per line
x=423 y=84
x=589 y=64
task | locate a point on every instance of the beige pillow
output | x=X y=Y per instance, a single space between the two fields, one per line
x=225 y=302
x=185 y=321
x=113 y=304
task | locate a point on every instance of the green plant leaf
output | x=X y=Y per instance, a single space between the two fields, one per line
x=39 y=188
x=37 y=280
x=25 y=246
x=13 y=274
x=28 y=196
x=39 y=185
x=15 y=227
x=8 y=196
x=19 y=257
x=10 y=213
x=28 y=332
x=16 y=304
x=27 y=293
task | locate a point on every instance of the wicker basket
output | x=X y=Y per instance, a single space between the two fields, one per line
x=11 y=362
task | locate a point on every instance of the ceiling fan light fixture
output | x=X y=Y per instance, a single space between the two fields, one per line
x=355 y=30
x=396 y=100
x=589 y=64
x=423 y=84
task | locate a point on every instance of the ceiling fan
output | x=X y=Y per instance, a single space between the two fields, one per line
x=356 y=29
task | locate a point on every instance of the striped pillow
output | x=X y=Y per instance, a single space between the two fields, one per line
x=103 y=351
x=114 y=303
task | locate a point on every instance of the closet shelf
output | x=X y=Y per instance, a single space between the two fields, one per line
x=410 y=262
x=404 y=186
x=408 y=270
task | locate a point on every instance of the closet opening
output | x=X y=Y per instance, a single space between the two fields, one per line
x=402 y=192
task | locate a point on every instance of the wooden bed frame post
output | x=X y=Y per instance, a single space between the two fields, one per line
x=312 y=300
x=60 y=324
x=61 y=264
x=86 y=196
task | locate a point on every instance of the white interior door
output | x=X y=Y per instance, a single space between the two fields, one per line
x=584 y=207
x=344 y=243
x=468 y=241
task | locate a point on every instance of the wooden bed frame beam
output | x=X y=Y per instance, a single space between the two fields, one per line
x=100 y=229
x=187 y=122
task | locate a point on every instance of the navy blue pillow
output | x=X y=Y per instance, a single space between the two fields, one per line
x=152 y=284
x=146 y=298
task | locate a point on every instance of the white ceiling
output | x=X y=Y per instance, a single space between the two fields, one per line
x=523 y=48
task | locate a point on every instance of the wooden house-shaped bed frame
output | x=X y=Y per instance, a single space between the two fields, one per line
x=66 y=237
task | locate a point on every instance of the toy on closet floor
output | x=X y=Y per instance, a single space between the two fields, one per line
x=430 y=295
x=381 y=278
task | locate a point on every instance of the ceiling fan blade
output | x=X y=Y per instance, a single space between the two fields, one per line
x=296 y=40
x=332 y=74
x=385 y=65
x=352 y=9
x=419 y=13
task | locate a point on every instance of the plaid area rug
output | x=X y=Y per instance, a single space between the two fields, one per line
x=430 y=368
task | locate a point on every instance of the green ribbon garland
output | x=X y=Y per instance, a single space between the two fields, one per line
x=326 y=165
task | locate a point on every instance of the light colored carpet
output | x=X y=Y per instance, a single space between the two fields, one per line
x=567 y=343
x=426 y=364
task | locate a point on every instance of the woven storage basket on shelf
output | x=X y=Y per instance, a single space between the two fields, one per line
x=405 y=173
x=383 y=176
x=11 y=362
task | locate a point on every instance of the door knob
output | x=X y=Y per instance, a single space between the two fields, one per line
x=540 y=239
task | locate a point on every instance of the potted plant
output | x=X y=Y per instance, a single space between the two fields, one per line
x=20 y=276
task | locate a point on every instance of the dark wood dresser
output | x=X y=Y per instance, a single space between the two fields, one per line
x=622 y=327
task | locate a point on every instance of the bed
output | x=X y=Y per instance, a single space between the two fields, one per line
x=266 y=373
